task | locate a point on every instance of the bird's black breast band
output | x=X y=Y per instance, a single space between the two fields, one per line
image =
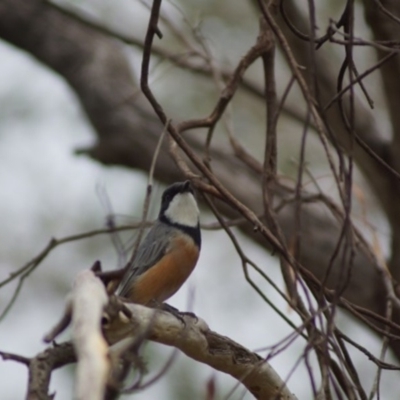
x=193 y=232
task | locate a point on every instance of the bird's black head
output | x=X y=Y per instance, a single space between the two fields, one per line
x=179 y=208
x=171 y=191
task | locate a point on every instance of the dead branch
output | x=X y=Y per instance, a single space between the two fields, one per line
x=88 y=299
x=197 y=341
x=41 y=366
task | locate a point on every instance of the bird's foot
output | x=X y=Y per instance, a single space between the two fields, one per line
x=178 y=314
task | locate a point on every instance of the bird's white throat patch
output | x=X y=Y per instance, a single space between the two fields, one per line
x=183 y=210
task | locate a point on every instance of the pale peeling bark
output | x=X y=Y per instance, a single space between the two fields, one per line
x=88 y=299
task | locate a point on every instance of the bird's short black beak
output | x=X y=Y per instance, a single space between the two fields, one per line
x=187 y=187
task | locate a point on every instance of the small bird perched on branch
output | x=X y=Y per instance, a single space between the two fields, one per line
x=168 y=253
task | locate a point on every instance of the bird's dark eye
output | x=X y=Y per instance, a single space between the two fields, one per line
x=167 y=197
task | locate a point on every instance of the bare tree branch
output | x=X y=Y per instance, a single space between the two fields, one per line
x=41 y=367
x=88 y=299
x=197 y=341
x=382 y=183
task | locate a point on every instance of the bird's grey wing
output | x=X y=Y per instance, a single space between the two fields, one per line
x=150 y=251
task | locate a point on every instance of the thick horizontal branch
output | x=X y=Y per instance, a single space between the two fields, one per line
x=197 y=341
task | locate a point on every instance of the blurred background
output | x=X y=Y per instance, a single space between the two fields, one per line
x=47 y=191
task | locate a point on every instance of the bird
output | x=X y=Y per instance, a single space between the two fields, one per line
x=168 y=253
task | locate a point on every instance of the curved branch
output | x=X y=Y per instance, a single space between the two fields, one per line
x=194 y=338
